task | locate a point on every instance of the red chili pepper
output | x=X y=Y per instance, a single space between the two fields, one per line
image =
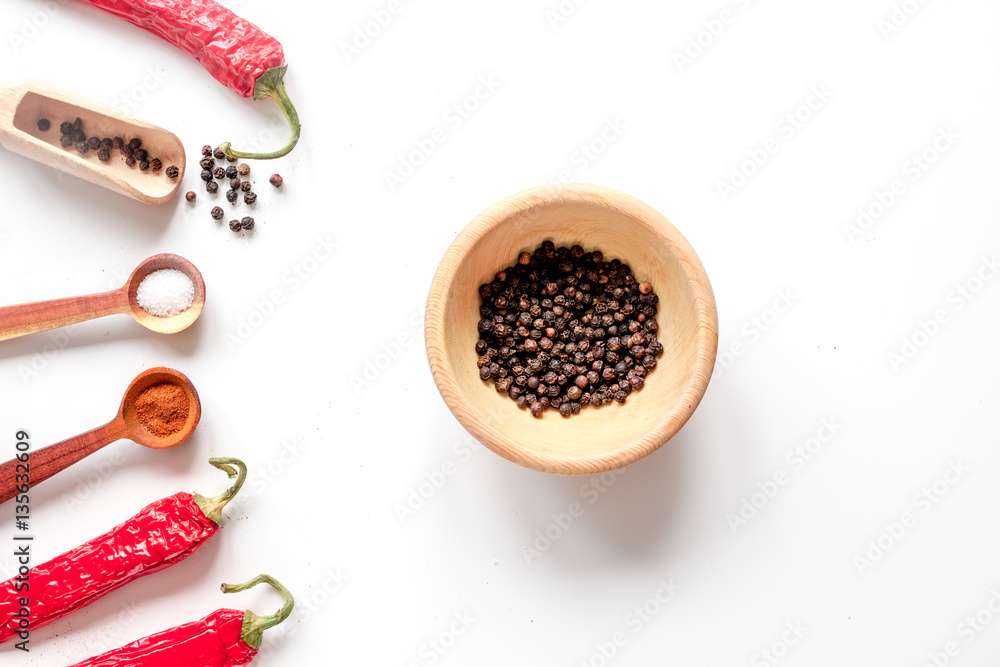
x=224 y=638
x=233 y=50
x=161 y=534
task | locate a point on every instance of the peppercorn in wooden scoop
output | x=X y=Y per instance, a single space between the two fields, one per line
x=128 y=299
x=94 y=142
x=160 y=410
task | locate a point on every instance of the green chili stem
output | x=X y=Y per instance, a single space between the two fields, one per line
x=212 y=507
x=271 y=84
x=254 y=625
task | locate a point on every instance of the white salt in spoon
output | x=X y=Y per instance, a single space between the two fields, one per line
x=31 y=318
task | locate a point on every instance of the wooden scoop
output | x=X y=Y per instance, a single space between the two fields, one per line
x=47 y=461
x=31 y=318
x=23 y=104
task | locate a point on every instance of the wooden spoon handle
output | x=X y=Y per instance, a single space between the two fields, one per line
x=29 y=318
x=47 y=461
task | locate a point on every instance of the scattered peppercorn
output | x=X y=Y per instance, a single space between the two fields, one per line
x=235 y=225
x=276 y=180
x=106 y=142
x=78 y=123
x=245 y=186
x=212 y=187
x=127 y=150
x=143 y=165
x=219 y=173
x=82 y=148
x=244 y=169
x=231 y=196
x=219 y=154
x=43 y=124
x=135 y=143
x=66 y=141
x=564 y=329
x=65 y=128
x=231 y=172
x=130 y=161
x=247 y=223
x=155 y=164
x=173 y=171
x=104 y=154
x=234 y=183
x=207 y=163
x=217 y=213
x=93 y=143
x=141 y=154
x=206 y=150
x=117 y=142
x=249 y=197
x=190 y=196
x=206 y=175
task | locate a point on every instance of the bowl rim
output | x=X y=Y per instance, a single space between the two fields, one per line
x=572 y=193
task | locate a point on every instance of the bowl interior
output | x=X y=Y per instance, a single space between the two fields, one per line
x=601 y=438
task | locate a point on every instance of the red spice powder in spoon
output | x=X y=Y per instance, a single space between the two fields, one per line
x=162 y=408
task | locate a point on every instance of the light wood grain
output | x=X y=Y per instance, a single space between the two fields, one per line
x=596 y=439
x=47 y=461
x=30 y=318
x=22 y=104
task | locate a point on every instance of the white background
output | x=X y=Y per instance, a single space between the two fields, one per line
x=334 y=456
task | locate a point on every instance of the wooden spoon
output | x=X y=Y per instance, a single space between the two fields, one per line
x=24 y=103
x=47 y=461
x=31 y=318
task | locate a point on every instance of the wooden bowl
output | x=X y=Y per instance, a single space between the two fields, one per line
x=596 y=439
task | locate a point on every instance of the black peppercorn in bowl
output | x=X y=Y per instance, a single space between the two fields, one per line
x=586 y=229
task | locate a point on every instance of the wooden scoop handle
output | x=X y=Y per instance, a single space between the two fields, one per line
x=7 y=89
x=10 y=96
x=47 y=461
x=31 y=318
